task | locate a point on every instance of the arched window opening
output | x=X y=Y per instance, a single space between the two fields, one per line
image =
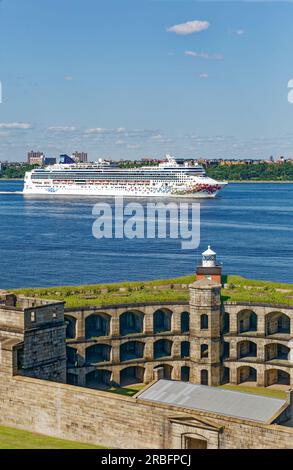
x=204 y=322
x=162 y=321
x=204 y=351
x=184 y=322
x=131 y=350
x=97 y=325
x=162 y=348
x=131 y=323
x=70 y=323
x=98 y=353
x=185 y=349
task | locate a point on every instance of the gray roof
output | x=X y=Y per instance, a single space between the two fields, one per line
x=213 y=399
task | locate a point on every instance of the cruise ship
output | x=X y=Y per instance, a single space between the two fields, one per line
x=171 y=178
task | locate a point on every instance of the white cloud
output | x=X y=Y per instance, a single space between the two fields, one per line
x=203 y=75
x=204 y=55
x=15 y=125
x=189 y=27
x=62 y=129
x=68 y=78
x=98 y=130
x=102 y=130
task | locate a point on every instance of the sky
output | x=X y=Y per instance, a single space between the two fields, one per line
x=141 y=78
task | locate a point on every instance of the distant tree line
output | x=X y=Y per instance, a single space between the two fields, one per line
x=254 y=172
x=15 y=171
x=249 y=172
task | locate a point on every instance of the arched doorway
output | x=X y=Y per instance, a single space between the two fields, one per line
x=246 y=374
x=246 y=349
x=277 y=351
x=131 y=375
x=194 y=441
x=247 y=321
x=167 y=371
x=204 y=377
x=225 y=378
x=277 y=377
x=98 y=379
x=277 y=323
x=185 y=373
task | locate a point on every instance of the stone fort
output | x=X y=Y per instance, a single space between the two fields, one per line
x=56 y=364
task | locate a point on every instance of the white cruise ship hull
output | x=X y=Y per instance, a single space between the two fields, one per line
x=96 y=191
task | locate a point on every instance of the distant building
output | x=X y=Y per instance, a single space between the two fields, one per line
x=49 y=161
x=79 y=157
x=35 y=158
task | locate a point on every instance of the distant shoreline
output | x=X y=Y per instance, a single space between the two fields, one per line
x=261 y=181
x=228 y=181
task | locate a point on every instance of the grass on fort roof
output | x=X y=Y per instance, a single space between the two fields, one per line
x=11 y=438
x=237 y=288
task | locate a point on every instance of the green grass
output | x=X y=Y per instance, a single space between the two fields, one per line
x=240 y=289
x=126 y=391
x=133 y=292
x=11 y=438
x=237 y=288
x=257 y=391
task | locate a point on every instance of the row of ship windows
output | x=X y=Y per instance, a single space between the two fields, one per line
x=103 y=178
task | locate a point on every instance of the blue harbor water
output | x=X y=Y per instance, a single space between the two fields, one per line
x=49 y=241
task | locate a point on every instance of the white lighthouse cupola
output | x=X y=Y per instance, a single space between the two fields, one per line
x=209 y=268
x=209 y=258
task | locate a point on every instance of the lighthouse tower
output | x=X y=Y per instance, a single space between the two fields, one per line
x=209 y=269
x=205 y=322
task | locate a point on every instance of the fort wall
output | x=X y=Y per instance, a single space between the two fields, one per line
x=114 y=421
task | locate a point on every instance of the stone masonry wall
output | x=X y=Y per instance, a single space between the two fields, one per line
x=97 y=417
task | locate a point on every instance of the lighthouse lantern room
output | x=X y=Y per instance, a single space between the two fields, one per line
x=209 y=269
